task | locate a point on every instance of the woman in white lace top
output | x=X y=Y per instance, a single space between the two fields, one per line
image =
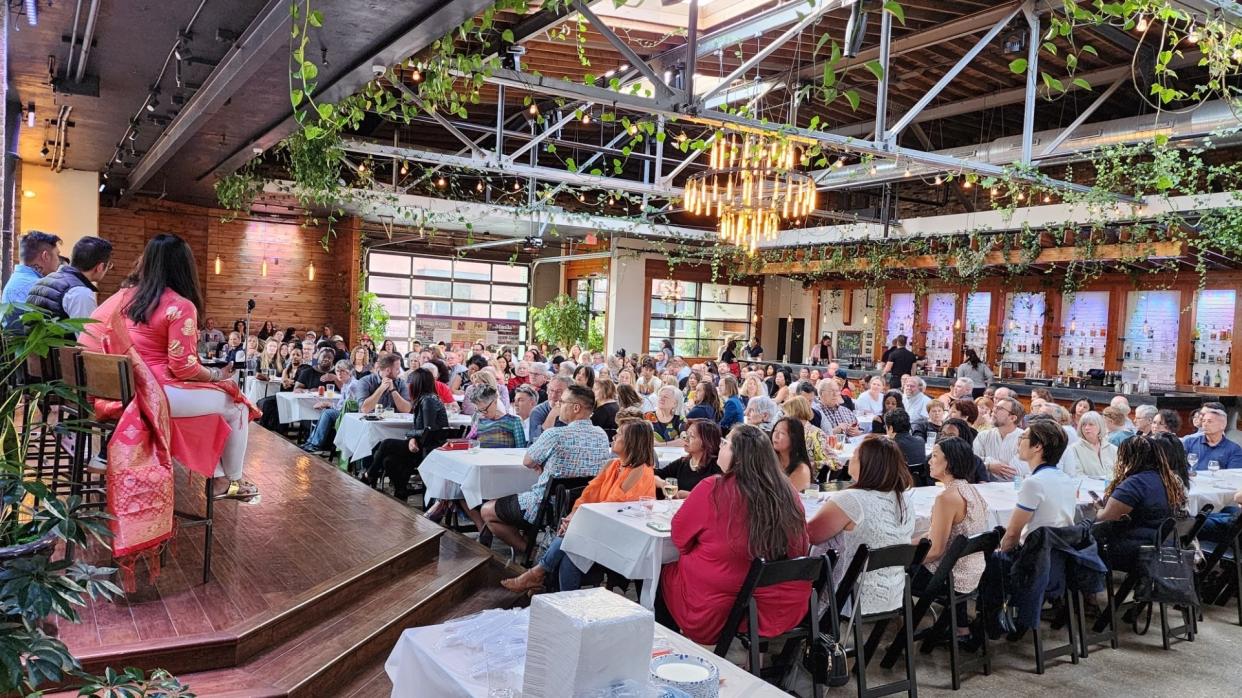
x=875 y=512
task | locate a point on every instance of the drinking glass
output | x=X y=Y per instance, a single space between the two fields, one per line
x=670 y=488
x=1193 y=460
x=474 y=445
x=648 y=505
x=1213 y=467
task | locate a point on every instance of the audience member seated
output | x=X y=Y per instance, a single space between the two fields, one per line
x=1091 y=455
x=897 y=427
x=1165 y=422
x=399 y=457
x=626 y=478
x=309 y=376
x=578 y=449
x=733 y=407
x=628 y=398
x=321 y=438
x=1211 y=444
x=959 y=510
x=960 y=429
x=962 y=389
x=1142 y=496
x=937 y=414
x=913 y=399
x=724 y=525
x=964 y=408
x=836 y=417
x=383 y=389
x=1048 y=497
x=666 y=418
x=482 y=377
x=492 y=427
x=817 y=450
x=584 y=376
x=525 y=398
x=706 y=404
x=781 y=386
x=789 y=442
x=984 y=405
x=875 y=512
x=1115 y=421
x=870 y=403
x=762 y=413
x=546 y=414
x=606 y=406
x=702 y=443
x=999 y=447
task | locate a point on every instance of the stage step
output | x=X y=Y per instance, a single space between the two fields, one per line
x=351 y=641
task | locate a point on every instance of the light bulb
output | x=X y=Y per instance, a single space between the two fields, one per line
x=993 y=191
x=939 y=180
x=1141 y=25
x=586 y=118
x=417 y=75
x=263 y=269
x=967 y=184
x=1193 y=37
x=405 y=168
x=362 y=167
x=218 y=265
x=441 y=183
x=479 y=187
x=1047 y=198
x=1021 y=196
x=534 y=109
x=310 y=272
x=907 y=172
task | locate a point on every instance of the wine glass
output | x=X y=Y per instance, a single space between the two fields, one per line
x=670 y=488
x=1193 y=460
x=1213 y=467
x=648 y=505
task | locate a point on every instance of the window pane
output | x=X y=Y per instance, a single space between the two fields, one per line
x=473 y=271
x=389 y=263
x=429 y=266
x=516 y=273
x=471 y=292
x=398 y=328
x=654 y=344
x=426 y=307
x=727 y=311
x=720 y=293
x=471 y=310
x=685 y=308
x=388 y=286
x=508 y=312
x=509 y=294
x=434 y=289
x=396 y=306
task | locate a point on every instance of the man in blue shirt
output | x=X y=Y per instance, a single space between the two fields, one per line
x=40 y=256
x=1210 y=443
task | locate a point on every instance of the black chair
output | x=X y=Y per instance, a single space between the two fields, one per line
x=1220 y=554
x=547 y=515
x=941 y=589
x=765 y=573
x=908 y=557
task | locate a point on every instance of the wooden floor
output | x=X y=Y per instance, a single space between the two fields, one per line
x=322 y=568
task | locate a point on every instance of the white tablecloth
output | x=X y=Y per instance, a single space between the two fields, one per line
x=617 y=535
x=357 y=436
x=257 y=390
x=489 y=473
x=418 y=667
x=296 y=407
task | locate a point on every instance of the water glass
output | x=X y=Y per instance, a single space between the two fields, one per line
x=474 y=445
x=1193 y=460
x=1213 y=467
x=648 y=505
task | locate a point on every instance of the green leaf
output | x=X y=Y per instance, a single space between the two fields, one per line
x=1017 y=66
x=309 y=70
x=507 y=36
x=296 y=97
x=660 y=137
x=876 y=69
x=571 y=165
x=1162 y=139
x=1164 y=182
x=1088 y=48
x=596 y=171
x=854 y=100
x=894 y=8
x=315 y=18
x=1052 y=83
x=1083 y=84
x=1050 y=47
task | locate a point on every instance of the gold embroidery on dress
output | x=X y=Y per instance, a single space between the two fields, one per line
x=175 y=348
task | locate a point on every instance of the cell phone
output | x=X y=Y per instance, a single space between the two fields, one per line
x=1095 y=497
x=659 y=526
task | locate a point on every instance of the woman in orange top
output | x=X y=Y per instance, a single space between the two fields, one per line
x=626 y=478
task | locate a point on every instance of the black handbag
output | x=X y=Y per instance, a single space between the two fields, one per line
x=1166 y=572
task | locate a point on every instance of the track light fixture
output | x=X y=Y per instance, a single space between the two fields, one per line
x=153 y=100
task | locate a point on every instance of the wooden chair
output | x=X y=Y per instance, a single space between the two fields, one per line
x=1221 y=554
x=111 y=377
x=764 y=573
x=546 y=517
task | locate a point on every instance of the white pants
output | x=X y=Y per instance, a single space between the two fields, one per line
x=196 y=402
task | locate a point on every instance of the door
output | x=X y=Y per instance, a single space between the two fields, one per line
x=795 y=341
x=782 y=336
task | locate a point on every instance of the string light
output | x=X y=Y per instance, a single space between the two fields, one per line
x=1141 y=26
x=479 y=187
x=586 y=118
x=362 y=167
x=441 y=183
x=310 y=272
x=218 y=265
x=967 y=184
x=405 y=168
x=417 y=75
x=534 y=109
x=1047 y=198
x=939 y=180
x=263 y=268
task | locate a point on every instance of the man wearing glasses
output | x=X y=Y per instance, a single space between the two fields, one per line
x=70 y=291
x=578 y=449
x=999 y=447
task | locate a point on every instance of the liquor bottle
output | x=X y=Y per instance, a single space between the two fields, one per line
x=1194 y=334
x=1214 y=335
x=1194 y=378
x=1218 y=380
x=1229 y=357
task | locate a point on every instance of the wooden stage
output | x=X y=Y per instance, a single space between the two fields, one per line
x=310 y=588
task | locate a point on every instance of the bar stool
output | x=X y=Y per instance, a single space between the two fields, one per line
x=111 y=377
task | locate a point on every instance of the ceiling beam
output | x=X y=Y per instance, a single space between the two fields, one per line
x=420 y=33
x=248 y=54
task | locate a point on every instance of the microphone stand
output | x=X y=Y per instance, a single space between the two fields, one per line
x=245 y=341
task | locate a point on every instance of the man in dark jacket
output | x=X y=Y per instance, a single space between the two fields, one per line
x=70 y=291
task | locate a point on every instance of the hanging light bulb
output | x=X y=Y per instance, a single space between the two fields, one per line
x=957 y=323
x=967 y=184
x=405 y=168
x=417 y=75
x=263 y=268
x=310 y=272
x=362 y=167
x=441 y=183
x=517 y=186
x=907 y=172
x=994 y=192
x=1193 y=37
x=586 y=118
x=1047 y=198
x=218 y=265
x=534 y=109
x=1141 y=25
x=939 y=180
x=871 y=170
x=479 y=187
x=1021 y=196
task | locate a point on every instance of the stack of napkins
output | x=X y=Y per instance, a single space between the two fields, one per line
x=583 y=640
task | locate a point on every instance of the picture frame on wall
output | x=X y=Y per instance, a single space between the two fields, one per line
x=849 y=343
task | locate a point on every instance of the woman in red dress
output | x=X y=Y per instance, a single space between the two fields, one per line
x=729 y=520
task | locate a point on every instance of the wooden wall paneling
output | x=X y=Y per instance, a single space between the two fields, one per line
x=1053 y=321
x=349 y=263
x=1116 y=327
x=996 y=321
x=1182 y=362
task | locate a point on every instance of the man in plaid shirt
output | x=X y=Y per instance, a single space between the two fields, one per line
x=578 y=449
x=837 y=418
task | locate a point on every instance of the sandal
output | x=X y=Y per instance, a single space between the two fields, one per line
x=239 y=489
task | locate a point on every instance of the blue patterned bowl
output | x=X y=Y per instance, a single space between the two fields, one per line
x=693 y=675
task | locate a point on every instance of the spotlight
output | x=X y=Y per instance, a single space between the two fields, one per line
x=153 y=101
x=30 y=115
x=45 y=151
x=102 y=186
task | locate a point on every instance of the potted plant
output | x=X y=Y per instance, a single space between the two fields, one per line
x=35 y=523
x=563 y=321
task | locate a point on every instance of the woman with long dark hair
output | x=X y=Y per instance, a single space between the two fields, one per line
x=706 y=403
x=875 y=512
x=749 y=512
x=155 y=324
x=702 y=443
x=399 y=457
x=789 y=442
x=974 y=369
x=1144 y=492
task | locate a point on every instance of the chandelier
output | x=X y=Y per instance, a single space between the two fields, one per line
x=751 y=186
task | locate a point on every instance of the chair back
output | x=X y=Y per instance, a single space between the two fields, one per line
x=547 y=516
x=565 y=499
x=107 y=376
x=1188 y=528
x=764 y=573
x=905 y=555
x=67 y=365
x=959 y=548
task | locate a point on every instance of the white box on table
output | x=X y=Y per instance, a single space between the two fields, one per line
x=585 y=639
